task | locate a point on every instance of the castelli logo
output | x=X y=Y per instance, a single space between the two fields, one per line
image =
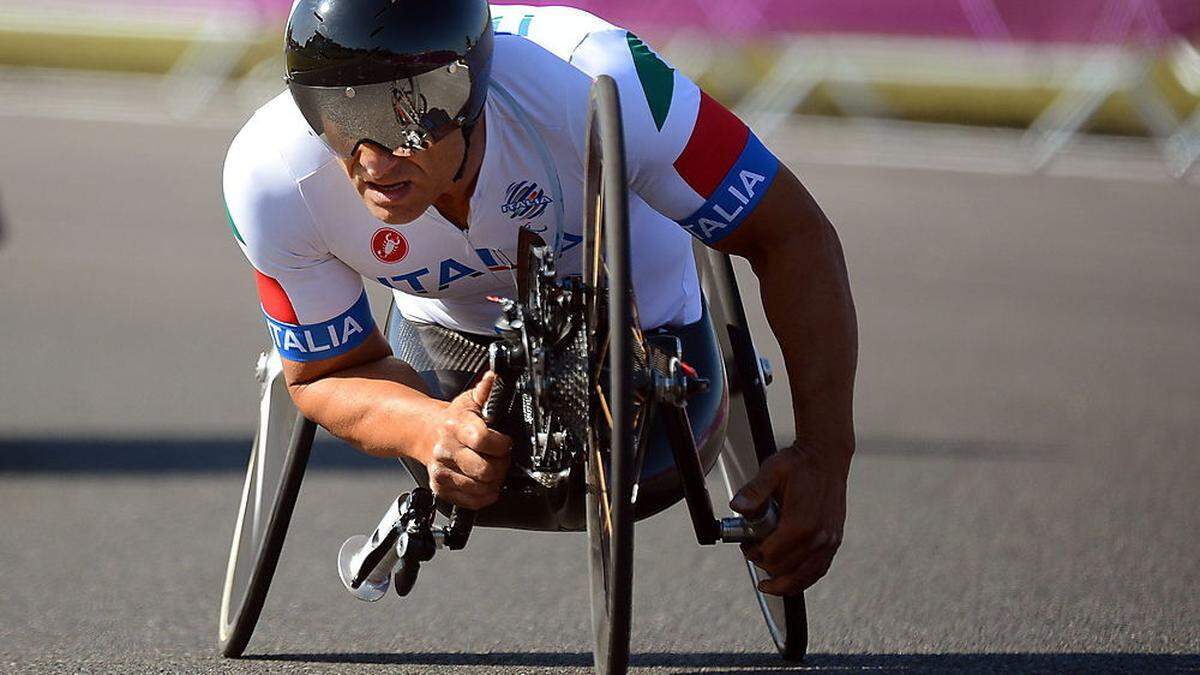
x=389 y=246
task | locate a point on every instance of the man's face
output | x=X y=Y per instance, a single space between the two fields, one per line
x=399 y=186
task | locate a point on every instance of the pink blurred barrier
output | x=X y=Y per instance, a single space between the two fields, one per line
x=1116 y=44
x=1104 y=21
x=1071 y=21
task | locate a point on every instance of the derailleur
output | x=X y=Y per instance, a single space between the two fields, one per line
x=405 y=538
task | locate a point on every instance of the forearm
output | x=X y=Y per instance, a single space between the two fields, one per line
x=379 y=407
x=807 y=298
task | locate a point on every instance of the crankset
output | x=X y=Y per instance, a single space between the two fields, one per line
x=542 y=356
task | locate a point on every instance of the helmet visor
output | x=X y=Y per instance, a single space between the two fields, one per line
x=410 y=113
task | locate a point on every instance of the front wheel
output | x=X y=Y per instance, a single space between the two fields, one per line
x=786 y=617
x=749 y=436
x=612 y=336
x=278 y=459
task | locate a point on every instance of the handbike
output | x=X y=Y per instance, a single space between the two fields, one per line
x=610 y=424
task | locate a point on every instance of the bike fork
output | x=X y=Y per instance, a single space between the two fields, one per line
x=670 y=391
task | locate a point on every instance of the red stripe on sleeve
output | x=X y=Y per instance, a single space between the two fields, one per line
x=716 y=143
x=274 y=301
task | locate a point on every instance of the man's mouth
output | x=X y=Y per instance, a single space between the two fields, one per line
x=388 y=193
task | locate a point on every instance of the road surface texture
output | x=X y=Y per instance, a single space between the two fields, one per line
x=1024 y=496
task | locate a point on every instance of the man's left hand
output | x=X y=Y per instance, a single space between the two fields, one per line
x=812 y=512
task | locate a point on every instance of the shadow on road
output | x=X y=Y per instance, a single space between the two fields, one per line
x=731 y=664
x=151 y=455
x=204 y=455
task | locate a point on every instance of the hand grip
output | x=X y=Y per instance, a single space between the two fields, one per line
x=750 y=528
x=497 y=405
x=499 y=400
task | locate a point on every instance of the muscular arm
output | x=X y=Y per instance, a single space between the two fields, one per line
x=798 y=259
x=369 y=398
x=796 y=254
x=379 y=404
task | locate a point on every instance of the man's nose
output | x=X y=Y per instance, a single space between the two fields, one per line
x=377 y=161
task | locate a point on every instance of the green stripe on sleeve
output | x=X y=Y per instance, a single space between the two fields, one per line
x=657 y=78
x=233 y=226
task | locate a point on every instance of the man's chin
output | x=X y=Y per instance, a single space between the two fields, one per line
x=394 y=215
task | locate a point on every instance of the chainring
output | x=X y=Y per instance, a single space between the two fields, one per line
x=551 y=402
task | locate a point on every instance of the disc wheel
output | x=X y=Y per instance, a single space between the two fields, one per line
x=612 y=340
x=278 y=458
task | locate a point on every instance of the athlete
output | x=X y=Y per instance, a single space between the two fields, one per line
x=414 y=142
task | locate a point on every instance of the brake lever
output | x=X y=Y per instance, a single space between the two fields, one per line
x=402 y=540
x=405 y=536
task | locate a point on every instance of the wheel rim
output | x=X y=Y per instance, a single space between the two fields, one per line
x=611 y=455
x=599 y=502
x=231 y=576
x=773 y=610
x=786 y=618
x=266 y=470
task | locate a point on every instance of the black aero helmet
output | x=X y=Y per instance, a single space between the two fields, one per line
x=400 y=73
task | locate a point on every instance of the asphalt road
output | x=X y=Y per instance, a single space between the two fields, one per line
x=1024 y=496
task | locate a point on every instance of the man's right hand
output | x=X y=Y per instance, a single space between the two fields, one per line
x=468 y=461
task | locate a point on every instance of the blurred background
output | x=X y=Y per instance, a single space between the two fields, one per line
x=1016 y=186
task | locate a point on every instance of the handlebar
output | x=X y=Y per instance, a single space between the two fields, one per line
x=750 y=528
x=499 y=402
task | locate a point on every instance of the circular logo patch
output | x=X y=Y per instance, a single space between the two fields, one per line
x=389 y=246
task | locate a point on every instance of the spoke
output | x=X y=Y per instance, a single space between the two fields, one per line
x=596 y=269
x=596 y=457
x=604 y=407
x=641 y=423
x=637 y=319
x=597 y=228
x=603 y=354
x=603 y=486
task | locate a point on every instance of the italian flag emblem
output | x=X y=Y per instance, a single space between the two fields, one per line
x=657 y=78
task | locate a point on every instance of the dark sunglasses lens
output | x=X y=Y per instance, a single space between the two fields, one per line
x=411 y=114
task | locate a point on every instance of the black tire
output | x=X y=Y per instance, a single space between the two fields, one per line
x=278 y=459
x=610 y=323
x=749 y=436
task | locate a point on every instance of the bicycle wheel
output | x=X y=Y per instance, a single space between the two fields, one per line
x=611 y=328
x=749 y=436
x=278 y=458
x=786 y=617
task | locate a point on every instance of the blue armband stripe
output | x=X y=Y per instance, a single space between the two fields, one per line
x=318 y=341
x=737 y=196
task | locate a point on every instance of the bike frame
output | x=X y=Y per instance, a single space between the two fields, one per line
x=663 y=393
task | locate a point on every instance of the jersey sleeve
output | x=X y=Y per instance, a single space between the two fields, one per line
x=688 y=156
x=315 y=306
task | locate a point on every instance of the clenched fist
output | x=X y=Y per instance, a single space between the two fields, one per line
x=468 y=461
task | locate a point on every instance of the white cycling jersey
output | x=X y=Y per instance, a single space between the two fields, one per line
x=311 y=240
